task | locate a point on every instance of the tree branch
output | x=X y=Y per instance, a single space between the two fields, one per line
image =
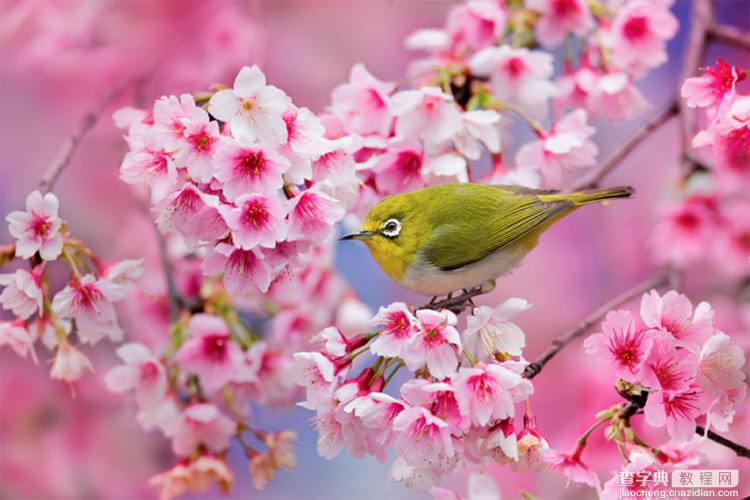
x=729 y=35
x=86 y=123
x=593 y=178
x=536 y=366
x=173 y=297
x=637 y=402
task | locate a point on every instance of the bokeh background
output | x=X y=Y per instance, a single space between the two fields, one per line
x=58 y=57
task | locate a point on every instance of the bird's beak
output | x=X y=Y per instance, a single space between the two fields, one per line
x=362 y=235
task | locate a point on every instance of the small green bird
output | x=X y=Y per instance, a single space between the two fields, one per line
x=455 y=236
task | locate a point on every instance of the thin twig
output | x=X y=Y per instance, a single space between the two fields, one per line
x=730 y=35
x=596 y=175
x=173 y=295
x=87 y=122
x=536 y=366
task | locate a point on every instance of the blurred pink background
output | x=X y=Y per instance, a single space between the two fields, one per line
x=57 y=58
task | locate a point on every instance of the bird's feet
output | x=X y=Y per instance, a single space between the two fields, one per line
x=463 y=300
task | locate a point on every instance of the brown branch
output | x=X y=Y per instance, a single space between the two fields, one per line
x=637 y=402
x=86 y=123
x=460 y=302
x=173 y=296
x=729 y=35
x=536 y=366
x=593 y=178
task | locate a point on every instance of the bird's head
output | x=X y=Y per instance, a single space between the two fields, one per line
x=393 y=231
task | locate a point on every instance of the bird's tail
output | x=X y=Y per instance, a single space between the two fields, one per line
x=591 y=195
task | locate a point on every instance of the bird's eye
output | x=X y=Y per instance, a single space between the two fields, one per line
x=391 y=228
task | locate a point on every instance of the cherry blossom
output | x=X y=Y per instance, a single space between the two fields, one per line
x=257 y=220
x=399 y=327
x=571 y=466
x=200 y=143
x=202 y=424
x=246 y=169
x=210 y=353
x=559 y=18
x=714 y=89
x=676 y=412
x=720 y=365
x=312 y=215
x=23 y=293
x=363 y=102
x=15 y=335
x=428 y=114
x=435 y=344
x=89 y=301
x=519 y=76
x=490 y=331
x=142 y=372
x=194 y=214
x=639 y=32
x=622 y=343
x=566 y=145
x=673 y=313
x=487 y=392
x=421 y=436
x=38 y=228
x=69 y=363
x=252 y=108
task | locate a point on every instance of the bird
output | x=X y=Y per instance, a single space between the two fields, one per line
x=457 y=236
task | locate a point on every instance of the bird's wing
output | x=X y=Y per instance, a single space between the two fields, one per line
x=488 y=223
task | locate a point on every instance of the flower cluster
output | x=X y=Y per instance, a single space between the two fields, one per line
x=234 y=176
x=676 y=365
x=85 y=306
x=710 y=222
x=456 y=410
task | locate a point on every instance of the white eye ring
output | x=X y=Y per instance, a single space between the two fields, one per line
x=391 y=228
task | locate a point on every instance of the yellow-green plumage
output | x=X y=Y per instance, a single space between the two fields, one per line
x=458 y=235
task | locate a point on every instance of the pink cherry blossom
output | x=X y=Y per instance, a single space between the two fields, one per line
x=244 y=271
x=363 y=103
x=123 y=272
x=667 y=368
x=684 y=230
x=90 y=303
x=571 y=466
x=170 y=115
x=399 y=327
x=714 y=89
x=148 y=163
x=38 y=228
x=15 y=335
x=559 y=18
x=531 y=446
x=202 y=424
x=199 y=145
x=476 y=24
x=306 y=143
x=428 y=114
x=639 y=32
x=502 y=442
x=257 y=220
x=720 y=365
x=210 y=353
x=617 y=98
x=489 y=392
x=23 y=293
x=376 y=410
x=246 y=169
x=316 y=373
x=732 y=251
x=194 y=214
x=566 y=145
x=252 y=108
x=622 y=344
x=142 y=372
x=435 y=344
x=312 y=215
x=518 y=76
x=673 y=313
x=676 y=411
x=437 y=397
x=421 y=436
x=489 y=330
x=480 y=128
x=729 y=138
x=69 y=364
